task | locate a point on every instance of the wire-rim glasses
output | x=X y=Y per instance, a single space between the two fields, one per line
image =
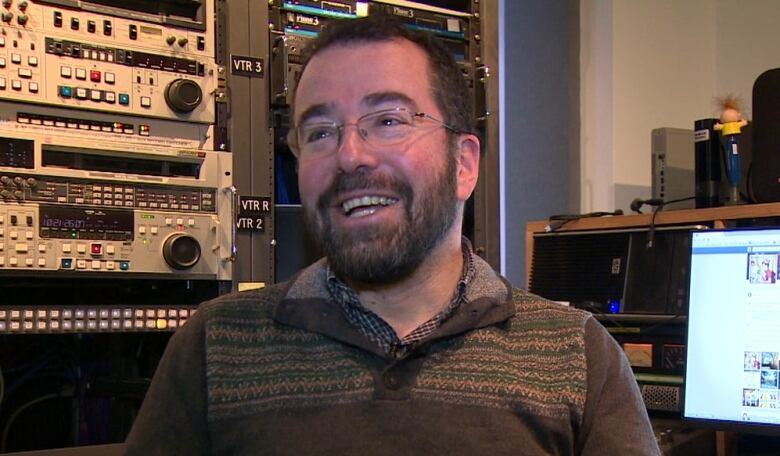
x=385 y=128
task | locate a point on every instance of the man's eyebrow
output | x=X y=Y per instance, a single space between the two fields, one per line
x=377 y=98
x=314 y=111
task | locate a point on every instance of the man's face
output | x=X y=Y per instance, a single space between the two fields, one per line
x=376 y=211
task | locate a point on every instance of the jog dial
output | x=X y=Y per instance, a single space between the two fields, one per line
x=183 y=95
x=181 y=251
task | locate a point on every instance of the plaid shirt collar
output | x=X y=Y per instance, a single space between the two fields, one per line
x=377 y=330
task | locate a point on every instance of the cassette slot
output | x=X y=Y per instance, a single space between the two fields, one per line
x=92 y=160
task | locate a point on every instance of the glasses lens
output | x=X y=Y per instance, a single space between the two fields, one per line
x=386 y=128
x=317 y=138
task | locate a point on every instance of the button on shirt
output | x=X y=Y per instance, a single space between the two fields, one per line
x=377 y=330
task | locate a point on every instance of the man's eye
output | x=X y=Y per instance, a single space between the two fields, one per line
x=314 y=134
x=389 y=121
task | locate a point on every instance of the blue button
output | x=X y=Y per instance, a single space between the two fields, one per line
x=66 y=92
x=66 y=263
x=124 y=99
x=124 y=265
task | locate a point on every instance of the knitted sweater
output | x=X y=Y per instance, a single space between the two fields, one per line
x=280 y=371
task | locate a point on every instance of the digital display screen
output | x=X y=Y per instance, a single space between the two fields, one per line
x=17 y=153
x=79 y=223
x=185 y=13
x=732 y=366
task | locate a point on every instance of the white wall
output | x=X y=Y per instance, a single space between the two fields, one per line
x=661 y=63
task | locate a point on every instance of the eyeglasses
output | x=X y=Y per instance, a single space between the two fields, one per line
x=385 y=128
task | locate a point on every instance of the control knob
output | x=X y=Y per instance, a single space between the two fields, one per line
x=183 y=95
x=18 y=194
x=5 y=180
x=181 y=251
x=7 y=16
x=22 y=19
x=7 y=3
x=5 y=194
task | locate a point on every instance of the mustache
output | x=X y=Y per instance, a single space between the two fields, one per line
x=363 y=179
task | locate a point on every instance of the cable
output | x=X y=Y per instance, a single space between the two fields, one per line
x=23 y=407
x=659 y=204
x=558 y=220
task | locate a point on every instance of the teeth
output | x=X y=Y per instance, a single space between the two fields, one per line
x=351 y=204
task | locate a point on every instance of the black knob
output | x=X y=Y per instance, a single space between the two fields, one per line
x=181 y=251
x=183 y=95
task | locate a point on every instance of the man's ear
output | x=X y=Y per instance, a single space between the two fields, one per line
x=467 y=159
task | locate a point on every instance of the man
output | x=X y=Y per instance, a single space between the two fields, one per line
x=401 y=341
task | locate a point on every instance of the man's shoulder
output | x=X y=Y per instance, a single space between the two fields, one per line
x=532 y=308
x=244 y=304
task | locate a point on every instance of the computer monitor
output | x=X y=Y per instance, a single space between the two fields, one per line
x=732 y=369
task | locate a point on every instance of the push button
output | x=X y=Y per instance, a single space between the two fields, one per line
x=391 y=380
x=94 y=75
x=65 y=91
x=124 y=99
x=96 y=249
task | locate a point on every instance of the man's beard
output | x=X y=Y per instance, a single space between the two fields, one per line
x=385 y=254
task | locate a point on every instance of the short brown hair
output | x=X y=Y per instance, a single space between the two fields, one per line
x=450 y=90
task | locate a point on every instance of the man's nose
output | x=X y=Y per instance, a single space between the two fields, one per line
x=353 y=151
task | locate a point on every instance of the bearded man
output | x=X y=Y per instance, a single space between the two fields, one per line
x=401 y=341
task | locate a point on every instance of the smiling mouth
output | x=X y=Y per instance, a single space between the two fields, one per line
x=365 y=205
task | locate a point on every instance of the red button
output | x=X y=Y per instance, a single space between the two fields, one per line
x=94 y=75
x=96 y=249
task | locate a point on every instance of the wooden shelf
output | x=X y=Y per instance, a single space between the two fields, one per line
x=718 y=217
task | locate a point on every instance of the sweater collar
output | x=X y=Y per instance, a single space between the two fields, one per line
x=307 y=305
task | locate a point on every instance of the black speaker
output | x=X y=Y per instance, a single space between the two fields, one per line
x=765 y=169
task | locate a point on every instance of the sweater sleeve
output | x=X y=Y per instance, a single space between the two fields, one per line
x=172 y=419
x=615 y=419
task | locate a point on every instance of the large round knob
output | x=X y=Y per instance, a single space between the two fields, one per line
x=181 y=251
x=183 y=95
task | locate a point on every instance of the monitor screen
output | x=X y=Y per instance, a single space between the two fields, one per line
x=732 y=365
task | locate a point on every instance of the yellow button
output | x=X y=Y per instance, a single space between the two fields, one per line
x=162 y=323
